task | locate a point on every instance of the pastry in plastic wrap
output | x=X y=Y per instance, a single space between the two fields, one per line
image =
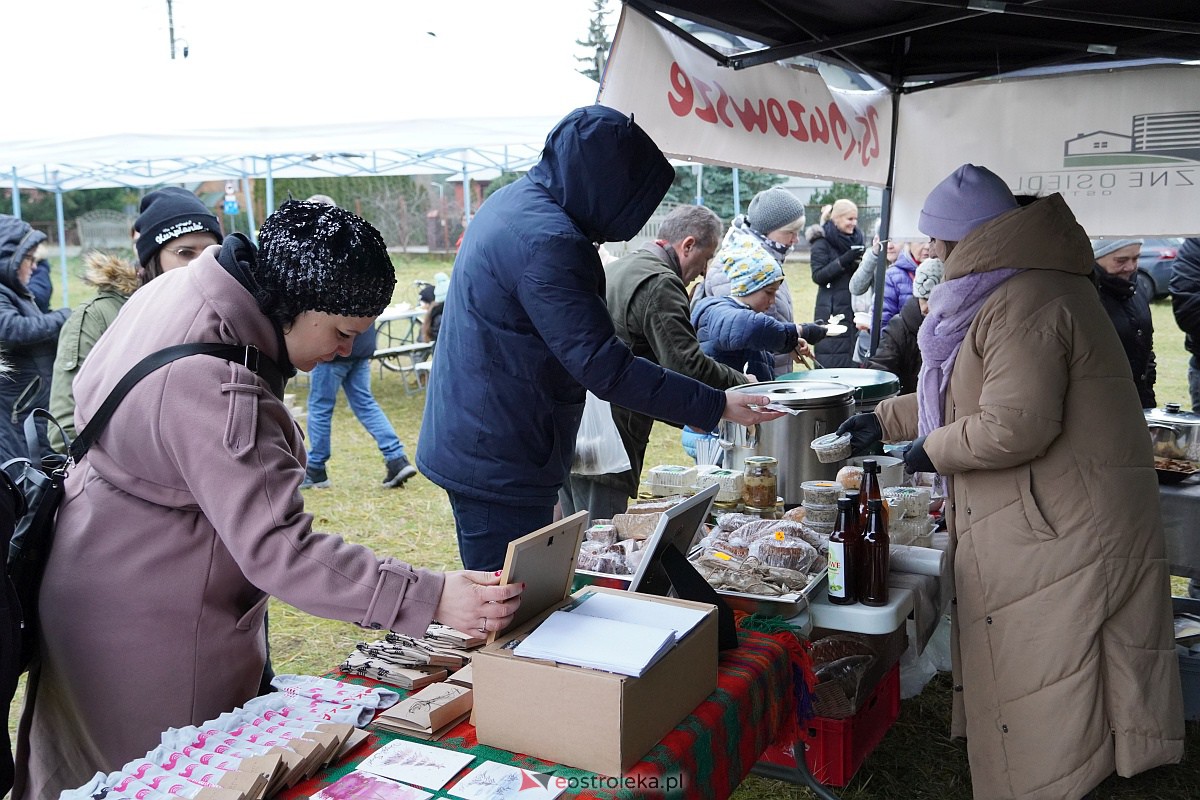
x=794 y=514
x=788 y=552
x=727 y=542
x=654 y=506
x=635 y=526
x=601 y=533
x=733 y=521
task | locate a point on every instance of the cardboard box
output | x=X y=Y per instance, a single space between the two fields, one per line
x=584 y=718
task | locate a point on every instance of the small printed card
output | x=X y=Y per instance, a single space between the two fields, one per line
x=365 y=786
x=495 y=781
x=419 y=764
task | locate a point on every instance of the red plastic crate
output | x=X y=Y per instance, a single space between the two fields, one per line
x=836 y=748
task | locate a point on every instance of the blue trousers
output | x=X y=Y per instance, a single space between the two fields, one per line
x=352 y=376
x=485 y=528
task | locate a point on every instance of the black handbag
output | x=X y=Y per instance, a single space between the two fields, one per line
x=31 y=490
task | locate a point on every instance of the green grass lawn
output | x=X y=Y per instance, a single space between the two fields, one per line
x=916 y=759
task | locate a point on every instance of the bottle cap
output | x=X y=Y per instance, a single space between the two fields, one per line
x=875 y=504
x=847 y=503
x=870 y=465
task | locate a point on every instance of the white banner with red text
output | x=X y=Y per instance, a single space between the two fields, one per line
x=770 y=118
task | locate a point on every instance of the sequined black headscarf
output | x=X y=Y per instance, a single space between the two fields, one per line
x=318 y=257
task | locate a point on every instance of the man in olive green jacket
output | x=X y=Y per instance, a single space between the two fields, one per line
x=648 y=301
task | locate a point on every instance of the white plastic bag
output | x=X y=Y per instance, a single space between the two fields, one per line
x=598 y=447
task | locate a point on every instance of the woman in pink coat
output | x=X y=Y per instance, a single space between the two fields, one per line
x=186 y=515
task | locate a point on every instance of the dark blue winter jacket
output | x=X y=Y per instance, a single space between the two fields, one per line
x=526 y=330
x=28 y=339
x=740 y=337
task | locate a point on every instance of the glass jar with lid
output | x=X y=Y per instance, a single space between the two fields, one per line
x=760 y=481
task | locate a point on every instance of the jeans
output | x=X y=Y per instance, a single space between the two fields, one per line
x=354 y=378
x=601 y=501
x=485 y=528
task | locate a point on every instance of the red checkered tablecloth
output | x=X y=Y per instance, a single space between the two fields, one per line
x=705 y=756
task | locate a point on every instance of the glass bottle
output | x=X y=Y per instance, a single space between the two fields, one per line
x=873 y=590
x=854 y=544
x=870 y=490
x=760 y=483
x=841 y=561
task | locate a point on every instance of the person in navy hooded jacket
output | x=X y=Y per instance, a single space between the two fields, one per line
x=526 y=331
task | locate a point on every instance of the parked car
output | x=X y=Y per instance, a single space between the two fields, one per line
x=1155 y=263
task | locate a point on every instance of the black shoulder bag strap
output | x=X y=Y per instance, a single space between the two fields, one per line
x=247 y=355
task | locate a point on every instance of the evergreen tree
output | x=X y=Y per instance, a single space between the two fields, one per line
x=718 y=188
x=854 y=192
x=597 y=42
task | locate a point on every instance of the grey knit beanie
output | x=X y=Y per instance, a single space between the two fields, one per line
x=928 y=275
x=1102 y=247
x=323 y=258
x=775 y=208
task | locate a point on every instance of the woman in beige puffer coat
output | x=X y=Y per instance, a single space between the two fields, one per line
x=1065 y=668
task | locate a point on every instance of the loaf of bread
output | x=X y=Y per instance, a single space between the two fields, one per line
x=850 y=477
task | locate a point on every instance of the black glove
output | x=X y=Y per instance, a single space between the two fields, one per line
x=849 y=260
x=915 y=458
x=866 y=434
x=811 y=332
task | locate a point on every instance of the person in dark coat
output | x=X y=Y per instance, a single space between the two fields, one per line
x=898 y=351
x=1115 y=275
x=837 y=247
x=1185 y=302
x=28 y=338
x=526 y=332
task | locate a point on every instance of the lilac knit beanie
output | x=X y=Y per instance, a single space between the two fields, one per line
x=962 y=202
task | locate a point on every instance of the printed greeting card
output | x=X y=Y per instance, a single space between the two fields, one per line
x=419 y=764
x=365 y=786
x=495 y=781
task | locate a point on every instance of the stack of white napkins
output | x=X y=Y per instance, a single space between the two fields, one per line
x=612 y=632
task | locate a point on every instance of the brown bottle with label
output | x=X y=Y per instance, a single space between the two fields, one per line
x=842 y=581
x=871 y=490
x=873 y=588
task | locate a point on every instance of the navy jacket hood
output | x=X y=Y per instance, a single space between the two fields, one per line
x=17 y=238
x=616 y=175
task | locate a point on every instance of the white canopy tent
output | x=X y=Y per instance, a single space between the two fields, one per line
x=318 y=123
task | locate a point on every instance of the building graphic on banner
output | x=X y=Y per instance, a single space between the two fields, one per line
x=1162 y=138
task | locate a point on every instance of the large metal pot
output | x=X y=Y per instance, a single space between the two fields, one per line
x=822 y=406
x=870 y=385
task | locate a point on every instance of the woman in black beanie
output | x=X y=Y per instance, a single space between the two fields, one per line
x=172 y=229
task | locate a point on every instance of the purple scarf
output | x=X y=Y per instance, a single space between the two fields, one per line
x=952 y=307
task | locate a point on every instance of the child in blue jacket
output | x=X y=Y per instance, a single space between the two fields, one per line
x=735 y=329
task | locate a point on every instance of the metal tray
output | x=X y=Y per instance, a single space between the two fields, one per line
x=787 y=605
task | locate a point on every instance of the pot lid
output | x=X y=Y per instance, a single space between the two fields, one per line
x=1171 y=414
x=869 y=384
x=803 y=394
